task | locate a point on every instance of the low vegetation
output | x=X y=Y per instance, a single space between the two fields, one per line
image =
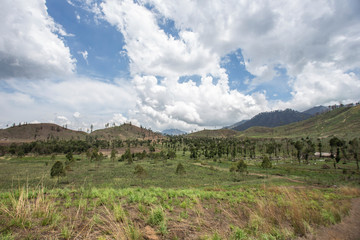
x=197 y=187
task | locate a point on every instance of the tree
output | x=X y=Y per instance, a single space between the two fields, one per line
x=266 y=164
x=69 y=156
x=127 y=156
x=299 y=146
x=354 y=149
x=180 y=169
x=57 y=170
x=151 y=148
x=309 y=149
x=113 y=154
x=239 y=167
x=335 y=143
x=171 y=154
x=320 y=148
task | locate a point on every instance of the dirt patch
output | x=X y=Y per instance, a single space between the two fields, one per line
x=347 y=229
x=150 y=233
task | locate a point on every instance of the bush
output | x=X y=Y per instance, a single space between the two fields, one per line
x=140 y=171
x=157 y=216
x=325 y=166
x=266 y=163
x=57 y=170
x=180 y=169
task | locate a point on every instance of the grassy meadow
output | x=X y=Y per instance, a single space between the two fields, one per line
x=107 y=200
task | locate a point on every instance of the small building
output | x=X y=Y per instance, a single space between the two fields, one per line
x=323 y=154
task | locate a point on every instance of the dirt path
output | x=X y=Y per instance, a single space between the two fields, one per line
x=253 y=174
x=347 y=229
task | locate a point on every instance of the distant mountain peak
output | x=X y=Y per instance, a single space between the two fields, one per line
x=173 y=132
x=316 y=110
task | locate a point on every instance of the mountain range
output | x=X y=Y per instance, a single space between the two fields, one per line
x=277 y=118
x=339 y=121
x=173 y=132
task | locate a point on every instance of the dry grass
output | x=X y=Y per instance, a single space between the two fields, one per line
x=274 y=213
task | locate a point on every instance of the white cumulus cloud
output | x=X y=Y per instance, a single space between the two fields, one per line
x=30 y=46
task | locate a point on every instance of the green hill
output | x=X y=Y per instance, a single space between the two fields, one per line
x=126 y=131
x=342 y=122
x=41 y=131
x=220 y=133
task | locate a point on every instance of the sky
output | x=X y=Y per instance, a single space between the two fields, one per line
x=189 y=64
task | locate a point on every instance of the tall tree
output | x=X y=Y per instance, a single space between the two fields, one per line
x=299 y=146
x=354 y=150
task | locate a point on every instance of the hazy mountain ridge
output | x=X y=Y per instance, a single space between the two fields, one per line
x=219 y=133
x=316 y=110
x=173 y=132
x=236 y=124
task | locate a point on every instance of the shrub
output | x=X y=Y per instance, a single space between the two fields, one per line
x=266 y=163
x=180 y=169
x=325 y=166
x=57 y=170
x=157 y=216
x=140 y=171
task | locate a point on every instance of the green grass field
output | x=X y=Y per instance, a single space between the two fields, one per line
x=107 y=200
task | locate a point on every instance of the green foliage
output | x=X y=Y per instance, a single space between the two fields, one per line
x=180 y=169
x=57 y=170
x=140 y=171
x=127 y=156
x=157 y=216
x=299 y=145
x=69 y=157
x=171 y=154
x=266 y=163
x=113 y=154
x=151 y=148
x=241 y=166
x=238 y=234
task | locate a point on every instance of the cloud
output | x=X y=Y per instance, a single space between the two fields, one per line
x=84 y=54
x=30 y=46
x=62 y=120
x=151 y=50
x=96 y=100
x=313 y=46
x=188 y=106
x=76 y=115
x=324 y=83
x=315 y=43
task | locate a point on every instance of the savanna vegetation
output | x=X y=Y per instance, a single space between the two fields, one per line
x=207 y=185
x=176 y=188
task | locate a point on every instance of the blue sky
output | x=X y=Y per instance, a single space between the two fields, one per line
x=169 y=64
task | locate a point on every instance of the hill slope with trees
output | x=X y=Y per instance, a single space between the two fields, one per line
x=342 y=121
x=126 y=131
x=41 y=131
x=219 y=133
